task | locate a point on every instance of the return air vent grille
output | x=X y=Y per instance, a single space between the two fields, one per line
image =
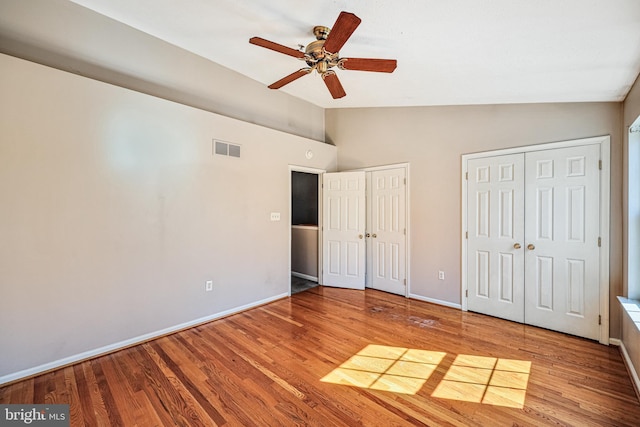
x=226 y=149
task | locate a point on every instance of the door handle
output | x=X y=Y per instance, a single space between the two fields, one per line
x=516 y=246
x=530 y=246
x=374 y=235
x=360 y=236
x=367 y=235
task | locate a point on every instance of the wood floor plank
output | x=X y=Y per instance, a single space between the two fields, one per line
x=288 y=363
x=86 y=403
x=113 y=410
x=95 y=395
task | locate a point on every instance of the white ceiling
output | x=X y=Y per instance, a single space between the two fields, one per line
x=449 y=52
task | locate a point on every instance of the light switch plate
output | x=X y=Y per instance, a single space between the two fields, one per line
x=275 y=216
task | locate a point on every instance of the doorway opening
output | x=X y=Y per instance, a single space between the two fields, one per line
x=305 y=221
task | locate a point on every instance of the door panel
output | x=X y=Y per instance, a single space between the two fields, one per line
x=386 y=269
x=496 y=223
x=343 y=230
x=562 y=263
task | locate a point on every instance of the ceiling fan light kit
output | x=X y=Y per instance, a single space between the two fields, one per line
x=322 y=55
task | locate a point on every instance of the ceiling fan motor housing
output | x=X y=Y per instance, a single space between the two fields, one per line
x=316 y=56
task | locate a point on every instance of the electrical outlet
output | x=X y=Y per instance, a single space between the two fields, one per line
x=208 y=286
x=440 y=275
x=275 y=216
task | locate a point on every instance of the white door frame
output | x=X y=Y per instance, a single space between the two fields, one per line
x=605 y=177
x=319 y=173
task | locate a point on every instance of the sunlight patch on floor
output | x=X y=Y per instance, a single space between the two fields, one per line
x=479 y=379
x=488 y=380
x=380 y=367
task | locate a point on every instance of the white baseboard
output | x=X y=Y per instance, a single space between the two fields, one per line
x=632 y=370
x=436 y=301
x=90 y=354
x=304 y=276
x=615 y=341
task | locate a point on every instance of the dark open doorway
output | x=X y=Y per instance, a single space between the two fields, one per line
x=304 y=231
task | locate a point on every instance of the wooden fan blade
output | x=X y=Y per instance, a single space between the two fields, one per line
x=291 y=77
x=345 y=25
x=334 y=85
x=369 y=64
x=259 y=41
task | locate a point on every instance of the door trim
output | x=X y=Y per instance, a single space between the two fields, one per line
x=319 y=172
x=605 y=199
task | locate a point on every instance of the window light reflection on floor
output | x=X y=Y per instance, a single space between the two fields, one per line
x=380 y=367
x=487 y=380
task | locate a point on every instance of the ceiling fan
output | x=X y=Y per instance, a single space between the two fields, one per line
x=322 y=55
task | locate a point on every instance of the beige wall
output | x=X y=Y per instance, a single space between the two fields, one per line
x=304 y=250
x=630 y=333
x=631 y=107
x=433 y=139
x=115 y=213
x=632 y=104
x=67 y=36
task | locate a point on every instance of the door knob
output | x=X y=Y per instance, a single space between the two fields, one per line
x=375 y=235
x=516 y=246
x=360 y=236
x=530 y=246
x=367 y=235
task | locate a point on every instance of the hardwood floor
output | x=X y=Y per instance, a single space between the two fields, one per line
x=286 y=363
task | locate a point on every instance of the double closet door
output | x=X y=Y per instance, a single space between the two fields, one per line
x=364 y=229
x=533 y=222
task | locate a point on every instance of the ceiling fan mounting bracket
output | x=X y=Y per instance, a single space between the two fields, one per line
x=321 y=32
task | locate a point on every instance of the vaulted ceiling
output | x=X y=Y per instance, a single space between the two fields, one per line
x=452 y=52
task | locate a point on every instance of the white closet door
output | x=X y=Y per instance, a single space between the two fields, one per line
x=495 y=202
x=386 y=264
x=343 y=229
x=562 y=228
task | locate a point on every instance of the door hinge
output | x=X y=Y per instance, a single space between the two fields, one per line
x=466 y=234
x=405 y=231
x=599 y=319
x=466 y=293
x=600 y=164
x=405 y=181
x=466 y=176
x=405 y=282
x=599 y=242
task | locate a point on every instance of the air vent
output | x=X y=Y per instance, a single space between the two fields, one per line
x=234 y=150
x=221 y=148
x=226 y=149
